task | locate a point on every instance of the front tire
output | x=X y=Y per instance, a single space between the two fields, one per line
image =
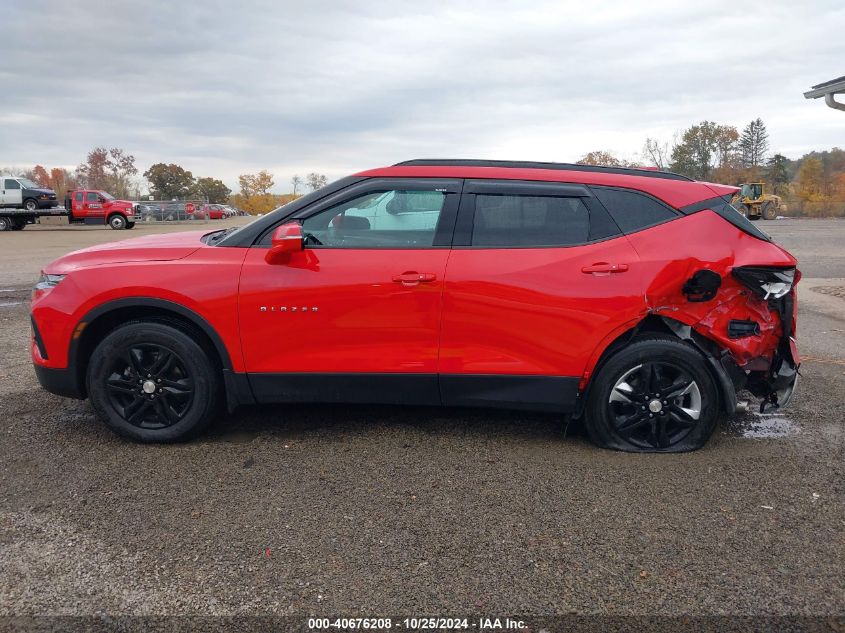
x=656 y=396
x=768 y=211
x=152 y=382
x=117 y=222
x=130 y=225
x=30 y=204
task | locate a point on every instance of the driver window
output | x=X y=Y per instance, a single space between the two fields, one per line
x=12 y=184
x=383 y=219
x=92 y=197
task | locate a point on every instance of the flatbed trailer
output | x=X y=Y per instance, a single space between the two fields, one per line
x=17 y=219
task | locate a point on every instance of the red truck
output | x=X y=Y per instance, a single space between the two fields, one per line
x=92 y=206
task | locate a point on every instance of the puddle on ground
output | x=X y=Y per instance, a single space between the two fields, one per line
x=764 y=426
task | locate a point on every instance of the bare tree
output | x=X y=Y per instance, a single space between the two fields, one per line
x=316 y=181
x=656 y=153
x=296 y=181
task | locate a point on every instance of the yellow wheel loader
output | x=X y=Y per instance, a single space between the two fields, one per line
x=754 y=204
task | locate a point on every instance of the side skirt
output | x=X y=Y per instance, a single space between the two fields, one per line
x=532 y=393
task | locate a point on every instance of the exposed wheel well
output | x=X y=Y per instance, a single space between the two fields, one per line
x=100 y=326
x=653 y=324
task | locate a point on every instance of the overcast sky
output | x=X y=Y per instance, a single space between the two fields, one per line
x=224 y=88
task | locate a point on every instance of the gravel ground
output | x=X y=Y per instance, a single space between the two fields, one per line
x=384 y=510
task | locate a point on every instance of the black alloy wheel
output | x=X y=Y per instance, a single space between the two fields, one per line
x=154 y=381
x=150 y=386
x=655 y=404
x=655 y=394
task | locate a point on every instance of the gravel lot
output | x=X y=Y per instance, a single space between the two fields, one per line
x=385 y=511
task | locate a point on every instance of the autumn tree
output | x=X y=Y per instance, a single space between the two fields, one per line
x=603 y=159
x=296 y=181
x=753 y=144
x=777 y=173
x=702 y=148
x=255 y=184
x=108 y=169
x=810 y=179
x=212 y=190
x=168 y=182
x=725 y=139
x=255 y=196
x=40 y=176
x=316 y=181
x=61 y=180
x=121 y=169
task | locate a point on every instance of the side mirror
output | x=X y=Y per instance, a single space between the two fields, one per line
x=286 y=239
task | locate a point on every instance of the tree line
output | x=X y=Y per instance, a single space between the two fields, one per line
x=114 y=170
x=813 y=185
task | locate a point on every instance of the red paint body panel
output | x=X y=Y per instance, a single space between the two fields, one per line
x=533 y=311
x=184 y=281
x=364 y=322
x=707 y=245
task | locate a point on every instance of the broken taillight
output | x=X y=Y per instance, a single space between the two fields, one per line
x=769 y=282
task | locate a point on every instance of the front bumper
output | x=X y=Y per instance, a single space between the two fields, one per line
x=62 y=382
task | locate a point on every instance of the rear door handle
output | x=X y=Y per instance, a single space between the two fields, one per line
x=603 y=268
x=412 y=278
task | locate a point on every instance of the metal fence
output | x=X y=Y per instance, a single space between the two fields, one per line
x=182 y=211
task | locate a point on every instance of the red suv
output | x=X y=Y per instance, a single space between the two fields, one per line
x=636 y=300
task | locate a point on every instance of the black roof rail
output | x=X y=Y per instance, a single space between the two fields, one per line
x=458 y=162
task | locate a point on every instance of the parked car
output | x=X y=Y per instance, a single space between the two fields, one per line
x=211 y=211
x=637 y=301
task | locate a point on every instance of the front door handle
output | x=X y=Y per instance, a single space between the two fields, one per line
x=603 y=268
x=412 y=278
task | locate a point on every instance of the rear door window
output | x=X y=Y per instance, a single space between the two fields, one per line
x=524 y=221
x=633 y=211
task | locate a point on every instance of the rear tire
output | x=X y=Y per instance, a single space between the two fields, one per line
x=5 y=224
x=152 y=382
x=117 y=222
x=19 y=225
x=654 y=396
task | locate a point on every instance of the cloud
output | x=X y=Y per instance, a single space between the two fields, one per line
x=227 y=88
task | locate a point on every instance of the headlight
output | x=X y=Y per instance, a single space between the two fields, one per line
x=768 y=282
x=45 y=284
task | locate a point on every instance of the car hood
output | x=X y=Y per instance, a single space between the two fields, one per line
x=159 y=248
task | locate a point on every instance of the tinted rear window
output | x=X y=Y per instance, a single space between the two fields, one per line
x=633 y=211
x=519 y=220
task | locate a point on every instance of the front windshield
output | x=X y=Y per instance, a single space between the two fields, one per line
x=28 y=184
x=107 y=196
x=237 y=229
x=219 y=235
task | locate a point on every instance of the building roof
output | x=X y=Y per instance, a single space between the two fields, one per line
x=833 y=86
